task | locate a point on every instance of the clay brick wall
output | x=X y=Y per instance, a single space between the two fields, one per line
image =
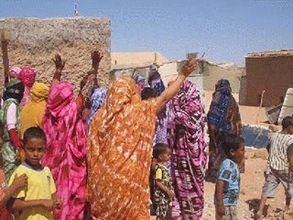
x=34 y=42
x=272 y=74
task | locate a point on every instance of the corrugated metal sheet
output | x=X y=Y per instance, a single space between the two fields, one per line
x=287 y=108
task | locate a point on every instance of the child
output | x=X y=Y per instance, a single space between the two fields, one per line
x=6 y=193
x=278 y=165
x=228 y=178
x=37 y=200
x=163 y=190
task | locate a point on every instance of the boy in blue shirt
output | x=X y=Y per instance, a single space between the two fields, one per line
x=228 y=179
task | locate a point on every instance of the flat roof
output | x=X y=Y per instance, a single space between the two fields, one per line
x=270 y=53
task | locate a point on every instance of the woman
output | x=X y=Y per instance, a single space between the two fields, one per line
x=66 y=136
x=223 y=117
x=158 y=87
x=32 y=114
x=27 y=77
x=120 y=148
x=186 y=139
x=9 y=116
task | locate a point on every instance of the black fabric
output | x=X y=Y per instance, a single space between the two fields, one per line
x=15 y=91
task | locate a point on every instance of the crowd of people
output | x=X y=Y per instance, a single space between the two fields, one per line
x=124 y=152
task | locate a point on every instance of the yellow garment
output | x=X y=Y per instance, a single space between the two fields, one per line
x=32 y=114
x=40 y=186
x=119 y=154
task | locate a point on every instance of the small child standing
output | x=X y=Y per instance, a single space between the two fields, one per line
x=278 y=166
x=163 y=190
x=228 y=179
x=37 y=200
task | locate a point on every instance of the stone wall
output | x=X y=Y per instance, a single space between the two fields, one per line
x=34 y=42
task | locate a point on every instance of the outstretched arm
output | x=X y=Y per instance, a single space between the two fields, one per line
x=172 y=90
x=59 y=64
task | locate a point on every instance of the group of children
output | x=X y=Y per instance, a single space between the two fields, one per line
x=279 y=170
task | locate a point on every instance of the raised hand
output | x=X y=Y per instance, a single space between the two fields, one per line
x=189 y=67
x=96 y=59
x=59 y=63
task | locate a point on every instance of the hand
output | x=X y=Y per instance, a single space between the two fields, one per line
x=220 y=210
x=96 y=59
x=48 y=204
x=189 y=67
x=171 y=194
x=20 y=181
x=57 y=203
x=59 y=63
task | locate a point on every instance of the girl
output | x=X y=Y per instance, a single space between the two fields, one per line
x=163 y=190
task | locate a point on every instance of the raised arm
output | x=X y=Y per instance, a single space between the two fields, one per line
x=59 y=64
x=172 y=90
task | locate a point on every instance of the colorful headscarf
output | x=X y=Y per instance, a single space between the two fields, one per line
x=140 y=82
x=27 y=77
x=32 y=114
x=186 y=139
x=219 y=109
x=66 y=151
x=119 y=153
x=15 y=90
x=97 y=99
x=15 y=69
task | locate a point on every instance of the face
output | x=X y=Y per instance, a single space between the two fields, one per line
x=165 y=156
x=239 y=154
x=290 y=130
x=12 y=74
x=34 y=150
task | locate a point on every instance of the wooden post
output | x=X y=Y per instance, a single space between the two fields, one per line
x=260 y=106
x=4 y=44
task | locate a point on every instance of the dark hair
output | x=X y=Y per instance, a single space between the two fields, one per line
x=159 y=149
x=287 y=121
x=34 y=132
x=231 y=142
x=147 y=93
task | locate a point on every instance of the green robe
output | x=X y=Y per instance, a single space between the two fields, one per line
x=8 y=150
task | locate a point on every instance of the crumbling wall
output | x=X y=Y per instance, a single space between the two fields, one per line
x=34 y=42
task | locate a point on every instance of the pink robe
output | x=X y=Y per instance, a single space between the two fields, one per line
x=66 y=151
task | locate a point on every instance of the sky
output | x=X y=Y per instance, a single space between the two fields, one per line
x=226 y=30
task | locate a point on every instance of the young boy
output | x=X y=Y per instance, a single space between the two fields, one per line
x=279 y=170
x=6 y=193
x=163 y=190
x=228 y=179
x=37 y=200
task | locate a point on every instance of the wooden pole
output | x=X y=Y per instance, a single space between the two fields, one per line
x=4 y=45
x=260 y=106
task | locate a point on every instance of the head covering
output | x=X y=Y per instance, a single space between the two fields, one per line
x=39 y=92
x=15 y=69
x=65 y=155
x=15 y=90
x=32 y=114
x=186 y=139
x=221 y=103
x=97 y=99
x=156 y=82
x=140 y=82
x=27 y=77
x=119 y=153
